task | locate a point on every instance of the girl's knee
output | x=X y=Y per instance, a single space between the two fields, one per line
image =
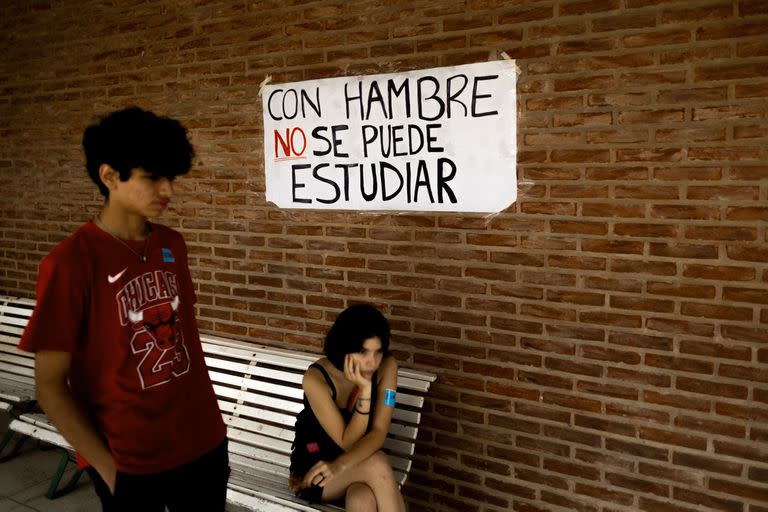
x=380 y=459
x=379 y=467
x=360 y=498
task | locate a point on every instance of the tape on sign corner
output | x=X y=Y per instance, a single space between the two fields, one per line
x=264 y=83
x=489 y=217
x=512 y=62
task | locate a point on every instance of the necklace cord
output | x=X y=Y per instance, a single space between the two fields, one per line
x=142 y=256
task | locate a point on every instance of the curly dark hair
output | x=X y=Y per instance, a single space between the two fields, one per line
x=133 y=137
x=352 y=327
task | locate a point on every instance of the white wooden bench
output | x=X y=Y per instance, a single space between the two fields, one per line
x=17 y=388
x=260 y=395
x=17 y=368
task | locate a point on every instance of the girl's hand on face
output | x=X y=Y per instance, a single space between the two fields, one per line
x=352 y=372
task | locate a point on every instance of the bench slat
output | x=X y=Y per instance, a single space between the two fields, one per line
x=248 y=465
x=254 y=452
x=37 y=432
x=9 y=335
x=255 y=500
x=24 y=376
x=247 y=425
x=232 y=409
x=12 y=322
x=16 y=391
x=275 y=403
x=19 y=362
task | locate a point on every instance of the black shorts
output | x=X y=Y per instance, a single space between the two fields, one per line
x=199 y=485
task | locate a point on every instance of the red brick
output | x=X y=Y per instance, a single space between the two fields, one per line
x=730 y=71
x=551 y=481
x=577 y=262
x=743 y=491
x=757 y=335
x=550 y=208
x=658 y=38
x=583 y=119
x=585 y=46
x=750 y=295
x=579 y=333
x=618 y=173
x=745 y=413
x=679 y=364
x=619 y=285
x=660 y=268
x=741 y=154
x=740 y=252
x=680 y=250
x=681 y=290
x=585 y=83
x=724 y=193
x=524 y=14
x=651 y=155
x=688 y=174
x=706 y=500
x=641 y=304
x=685 y=212
x=724 y=273
x=607 y=318
x=545 y=380
x=680 y=326
x=645 y=230
x=613 y=210
x=589 y=228
x=619 y=99
x=710 y=387
x=676 y=400
x=637 y=484
x=539 y=311
x=715 y=311
x=716 y=350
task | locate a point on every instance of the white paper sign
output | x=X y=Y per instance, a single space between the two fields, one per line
x=440 y=139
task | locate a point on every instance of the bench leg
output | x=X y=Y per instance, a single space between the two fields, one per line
x=16 y=447
x=53 y=490
x=6 y=439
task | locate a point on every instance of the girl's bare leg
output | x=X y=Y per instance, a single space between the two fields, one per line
x=360 y=498
x=376 y=473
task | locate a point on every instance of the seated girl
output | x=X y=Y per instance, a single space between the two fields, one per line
x=348 y=405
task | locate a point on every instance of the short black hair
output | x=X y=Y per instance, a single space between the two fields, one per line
x=352 y=327
x=132 y=138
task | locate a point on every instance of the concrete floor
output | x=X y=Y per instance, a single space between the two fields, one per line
x=24 y=481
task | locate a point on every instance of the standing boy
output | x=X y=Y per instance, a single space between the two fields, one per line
x=119 y=367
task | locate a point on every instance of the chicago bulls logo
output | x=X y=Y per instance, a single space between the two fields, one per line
x=159 y=341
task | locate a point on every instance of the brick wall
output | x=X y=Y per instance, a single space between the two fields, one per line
x=600 y=346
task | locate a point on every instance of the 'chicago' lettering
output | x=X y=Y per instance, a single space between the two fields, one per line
x=147 y=288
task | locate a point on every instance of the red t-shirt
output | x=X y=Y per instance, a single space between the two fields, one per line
x=137 y=363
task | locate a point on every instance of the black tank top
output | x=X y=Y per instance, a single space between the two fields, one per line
x=311 y=443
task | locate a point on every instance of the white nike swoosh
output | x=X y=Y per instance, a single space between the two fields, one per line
x=117 y=276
